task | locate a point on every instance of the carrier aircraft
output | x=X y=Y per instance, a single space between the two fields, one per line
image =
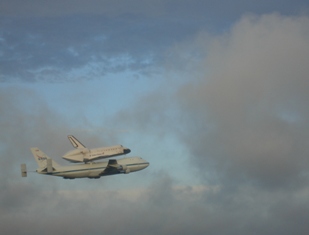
x=88 y=169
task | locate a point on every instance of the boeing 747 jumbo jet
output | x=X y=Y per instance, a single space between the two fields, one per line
x=89 y=169
x=83 y=154
x=92 y=170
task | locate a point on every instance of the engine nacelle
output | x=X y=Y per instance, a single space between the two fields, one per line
x=124 y=169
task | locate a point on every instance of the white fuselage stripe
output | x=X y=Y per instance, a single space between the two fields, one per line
x=91 y=171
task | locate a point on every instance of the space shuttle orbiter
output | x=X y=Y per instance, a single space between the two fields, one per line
x=83 y=154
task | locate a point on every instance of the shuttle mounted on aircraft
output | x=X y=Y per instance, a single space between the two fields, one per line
x=88 y=169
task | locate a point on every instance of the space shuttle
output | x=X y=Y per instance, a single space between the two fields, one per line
x=92 y=170
x=83 y=154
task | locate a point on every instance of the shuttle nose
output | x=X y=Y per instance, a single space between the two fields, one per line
x=126 y=151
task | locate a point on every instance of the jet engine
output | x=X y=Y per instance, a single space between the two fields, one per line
x=124 y=169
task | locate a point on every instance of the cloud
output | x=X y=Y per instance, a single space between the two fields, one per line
x=160 y=208
x=93 y=7
x=80 y=40
x=194 y=9
x=240 y=109
x=83 y=47
x=248 y=113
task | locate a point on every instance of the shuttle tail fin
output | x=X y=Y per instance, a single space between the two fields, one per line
x=43 y=160
x=76 y=144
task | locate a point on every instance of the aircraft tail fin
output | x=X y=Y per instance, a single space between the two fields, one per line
x=76 y=144
x=43 y=160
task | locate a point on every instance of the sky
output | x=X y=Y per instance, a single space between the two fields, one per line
x=214 y=94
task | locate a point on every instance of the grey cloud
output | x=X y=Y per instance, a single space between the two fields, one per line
x=25 y=118
x=251 y=108
x=245 y=128
x=93 y=7
x=216 y=212
x=54 y=41
x=27 y=203
x=243 y=117
x=53 y=48
x=154 y=8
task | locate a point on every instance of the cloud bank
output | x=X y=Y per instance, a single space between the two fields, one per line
x=78 y=40
x=250 y=106
x=242 y=115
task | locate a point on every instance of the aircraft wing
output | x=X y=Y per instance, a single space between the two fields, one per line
x=76 y=144
x=112 y=168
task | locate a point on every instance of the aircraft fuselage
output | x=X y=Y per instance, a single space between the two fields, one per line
x=97 y=169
